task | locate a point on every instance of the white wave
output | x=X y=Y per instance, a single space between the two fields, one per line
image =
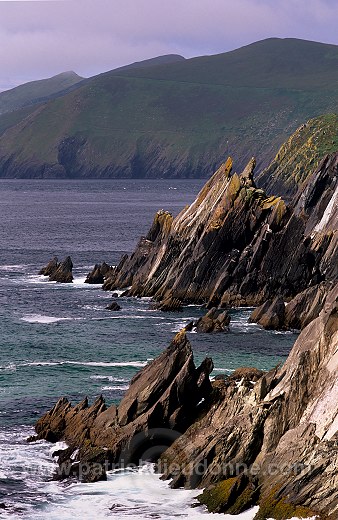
x=124 y=387
x=134 y=494
x=39 y=318
x=81 y=281
x=14 y=267
x=111 y=379
x=224 y=369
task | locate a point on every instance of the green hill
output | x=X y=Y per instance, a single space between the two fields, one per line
x=300 y=156
x=176 y=119
x=36 y=91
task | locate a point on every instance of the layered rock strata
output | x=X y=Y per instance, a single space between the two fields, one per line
x=274 y=442
x=237 y=246
x=252 y=438
x=165 y=396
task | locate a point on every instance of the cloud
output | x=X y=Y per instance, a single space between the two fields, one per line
x=39 y=39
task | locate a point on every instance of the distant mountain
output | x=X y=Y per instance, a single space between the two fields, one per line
x=159 y=60
x=171 y=117
x=36 y=91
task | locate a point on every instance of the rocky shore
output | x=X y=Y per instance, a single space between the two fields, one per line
x=254 y=438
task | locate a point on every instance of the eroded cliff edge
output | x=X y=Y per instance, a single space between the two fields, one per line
x=272 y=442
x=235 y=245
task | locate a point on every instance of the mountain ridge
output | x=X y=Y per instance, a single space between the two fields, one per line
x=152 y=122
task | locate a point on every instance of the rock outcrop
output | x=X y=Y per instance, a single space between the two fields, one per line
x=295 y=314
x=164 y=397
x=215 y=320
x=114 y=306
x=274 y=442
x=251 y=438
x=50 y=268
x=98 y=274
x=235 y=245
x=59 y=272
x=271 y=315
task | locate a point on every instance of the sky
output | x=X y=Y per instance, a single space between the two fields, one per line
x=41 y=38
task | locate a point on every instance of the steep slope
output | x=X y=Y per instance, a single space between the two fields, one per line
x=300 y=156
x=177 y=119
x=36 y=91
x=235 y=245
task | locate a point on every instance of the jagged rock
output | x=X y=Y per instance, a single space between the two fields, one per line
x=270 y=315
x=306 y=306
x=215 y=320
x=235 y=245
x=50 y=268
x=114 y=307
x=170 y=304
x=162 y=401
x=98 y=274
x=64 y=272
x=274 y=442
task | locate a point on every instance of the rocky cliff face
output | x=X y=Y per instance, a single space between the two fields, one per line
x=273 y=442
x=235 y=245
x=253 y=438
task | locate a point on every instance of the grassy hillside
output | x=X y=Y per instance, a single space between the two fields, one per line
x=176 y=119
x=35 y=91
x=300 y=155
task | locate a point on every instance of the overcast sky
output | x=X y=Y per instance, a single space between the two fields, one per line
x=41 y=38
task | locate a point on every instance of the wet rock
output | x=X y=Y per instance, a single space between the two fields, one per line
x=114 y=307
x=64 y=272
x=215 y=320
x=270 y=315
x=50 y=268
x=98 y=274
x=170 y=304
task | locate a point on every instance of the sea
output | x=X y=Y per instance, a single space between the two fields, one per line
x=60 y=340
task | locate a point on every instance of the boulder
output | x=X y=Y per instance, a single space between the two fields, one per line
x=64 y=272
x=270 y=315
x=98 y=274
x=114 y=307
x=215 y=320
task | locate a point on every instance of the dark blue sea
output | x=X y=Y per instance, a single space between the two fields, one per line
x=60 y=340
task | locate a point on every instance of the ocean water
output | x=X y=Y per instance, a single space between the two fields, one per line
x=60 y=340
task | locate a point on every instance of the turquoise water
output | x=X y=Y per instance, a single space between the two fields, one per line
x=60 y=339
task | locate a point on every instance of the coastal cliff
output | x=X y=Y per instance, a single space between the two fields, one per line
x=254 y=438
x=235 y=245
